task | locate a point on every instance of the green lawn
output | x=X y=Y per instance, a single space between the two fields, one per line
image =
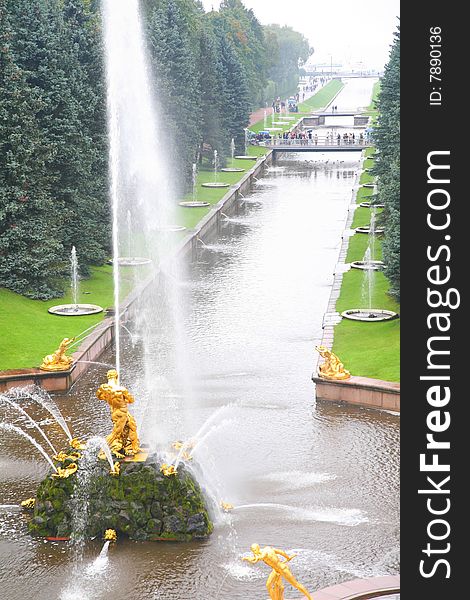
x=367 y=349
x=33 y=332
x=322 y=98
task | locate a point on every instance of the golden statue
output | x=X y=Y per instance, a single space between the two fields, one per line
x=123 y=439
x=116 y=470
x=76 y=444
x=63 y=456
x=280 y=570
x=332 y=368
x=58 y=361
x=63 y=473
x=110 y=535
x=226 y=506
x=29 y=503
x=168 y=470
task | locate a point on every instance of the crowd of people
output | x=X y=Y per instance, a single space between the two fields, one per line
x=310 y=137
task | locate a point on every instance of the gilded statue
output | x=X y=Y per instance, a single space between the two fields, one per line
x=168 y=470
x=280 y=570
x=63 y=473
x=123 y=438
x=58 y=361
x=332 y=368
x=110 y=535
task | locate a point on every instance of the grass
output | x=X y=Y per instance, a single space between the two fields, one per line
x=367 y=349
x=323 y=97
x=33 y=332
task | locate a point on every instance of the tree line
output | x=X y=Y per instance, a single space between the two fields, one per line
x=210 y=70
x=387 y=165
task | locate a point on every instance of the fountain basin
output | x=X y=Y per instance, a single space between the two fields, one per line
x=232 y=170
x=246 y=157
x=216 y=184
x=372 y=265
x=75 y=310
x=368 y=185
x=131 y=261
x=194 y=204
x=367 y=230
x=370 y=315
x=273 y=128
x=370 y=205
x=171 y=228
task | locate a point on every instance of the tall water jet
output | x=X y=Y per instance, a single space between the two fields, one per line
x=265 y=119
x=141 y=181
x=215 y=183
x=232 y=148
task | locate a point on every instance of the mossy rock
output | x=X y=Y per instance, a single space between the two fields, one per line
x=141 y=503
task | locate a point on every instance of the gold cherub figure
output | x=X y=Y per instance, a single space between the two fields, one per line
x=271 y=557
x=168 y=470
x=29 y=503
x=63 y=473
x=123 y=437
x=58 y=361
x=332 y=368
x=110 y=535
x=226 y=506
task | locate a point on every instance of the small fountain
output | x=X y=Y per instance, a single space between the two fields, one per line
x=369 y=266
x=287 y=117
x=75 y=309
x=215 y=183
x=246 y=156
x=265 y=122
x=194 y=203
x=130 y=260
x=232 y=154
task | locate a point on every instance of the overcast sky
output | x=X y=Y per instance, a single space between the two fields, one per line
x=352 y=31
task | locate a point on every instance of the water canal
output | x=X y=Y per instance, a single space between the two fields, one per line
x=314 y=478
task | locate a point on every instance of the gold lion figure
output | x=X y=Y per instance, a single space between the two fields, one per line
x=58 y=361
x=332 y=368
x=123 y=438
x=280 y=570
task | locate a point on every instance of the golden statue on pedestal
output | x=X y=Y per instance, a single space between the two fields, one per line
x=123 y=439
x=58 y=361
x=332 y=368
x=271 y=557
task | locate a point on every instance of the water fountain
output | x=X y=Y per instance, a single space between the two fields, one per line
x=246 y=156
x=369 y=266
x=194 y=203
x=215 y=183
x=232 y=154
x=75 y=309
x=130 y=260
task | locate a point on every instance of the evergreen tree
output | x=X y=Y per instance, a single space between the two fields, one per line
x=387 y=165
x=30 y=249
x=178 y=88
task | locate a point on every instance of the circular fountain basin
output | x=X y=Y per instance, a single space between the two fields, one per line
x=131 y=261
x=193 y=204
x=216 y=184
x=370 y=315
x=273 y=128
x=370 y=186
x=246 y=157
x=232 y=170
x=371 y=265
x=370 y=205
x=367 y=230
x=278 y=123
x=75 y=310
x=171 y=228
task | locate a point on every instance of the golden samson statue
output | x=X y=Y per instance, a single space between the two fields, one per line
x=280 y=570
x=123 y=439
x=332 y=368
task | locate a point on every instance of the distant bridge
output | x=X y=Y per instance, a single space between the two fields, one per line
x=319 y=145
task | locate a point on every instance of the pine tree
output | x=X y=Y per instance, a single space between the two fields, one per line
x=177 y=82
x=30 y=249
x=387 y=166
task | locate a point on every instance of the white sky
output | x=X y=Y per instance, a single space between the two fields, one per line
x=346 y=31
